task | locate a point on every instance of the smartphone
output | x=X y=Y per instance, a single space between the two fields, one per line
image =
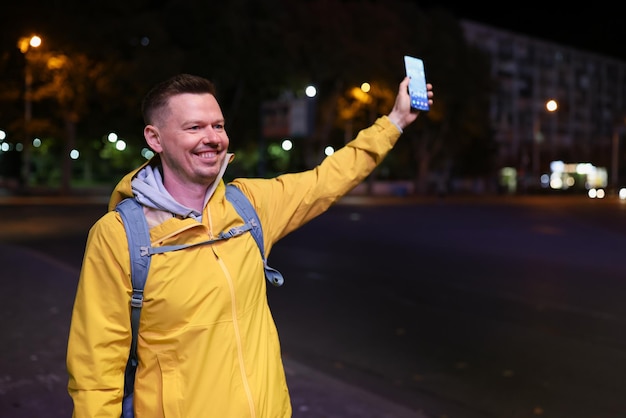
x=417 y=83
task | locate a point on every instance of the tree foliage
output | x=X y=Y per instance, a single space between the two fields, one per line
x=109 y=54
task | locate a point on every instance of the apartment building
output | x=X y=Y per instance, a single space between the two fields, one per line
x=588 y=90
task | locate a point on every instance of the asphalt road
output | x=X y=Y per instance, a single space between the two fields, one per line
x=467 y=308
x=478 y=307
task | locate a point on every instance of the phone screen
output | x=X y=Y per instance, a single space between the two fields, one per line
x=417 y=83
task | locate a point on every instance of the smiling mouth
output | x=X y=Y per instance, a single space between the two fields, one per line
x=211 y=154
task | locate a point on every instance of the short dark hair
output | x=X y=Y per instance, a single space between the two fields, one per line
x=157 y=98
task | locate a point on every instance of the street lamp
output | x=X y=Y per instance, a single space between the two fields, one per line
x=551 y=106
x=362 y=99
x=25 y=44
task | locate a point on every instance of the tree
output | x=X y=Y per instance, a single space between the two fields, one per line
x=337 y=45
x=68 y=82
x=257 y=51
x=458 y=123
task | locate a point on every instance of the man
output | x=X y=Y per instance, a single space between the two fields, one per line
x=208 y=345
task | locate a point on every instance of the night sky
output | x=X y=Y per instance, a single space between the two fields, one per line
x=597 y=26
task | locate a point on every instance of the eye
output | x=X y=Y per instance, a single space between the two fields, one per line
x=193 y=128
x=218 y=127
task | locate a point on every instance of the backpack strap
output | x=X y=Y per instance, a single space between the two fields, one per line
x=138 y=234
x=140 y=250
x=233 y=232
x=248 y=214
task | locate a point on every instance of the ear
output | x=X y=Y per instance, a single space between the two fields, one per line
x=153 y=139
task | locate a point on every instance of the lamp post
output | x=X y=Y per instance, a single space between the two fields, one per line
x=25 y=45
x=618 y=129
x=551 y=106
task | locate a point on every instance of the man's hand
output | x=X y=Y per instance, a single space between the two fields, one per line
x=402 y=114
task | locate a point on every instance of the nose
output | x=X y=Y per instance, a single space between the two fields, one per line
x=211 y=136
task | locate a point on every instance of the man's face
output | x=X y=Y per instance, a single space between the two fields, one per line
x=191 y=139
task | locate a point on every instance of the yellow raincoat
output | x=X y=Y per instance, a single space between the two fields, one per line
x=208 y=346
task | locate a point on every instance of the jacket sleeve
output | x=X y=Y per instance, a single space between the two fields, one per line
x=99 y=337
x=289 y=201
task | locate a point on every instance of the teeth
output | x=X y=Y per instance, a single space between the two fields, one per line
x=207 y=154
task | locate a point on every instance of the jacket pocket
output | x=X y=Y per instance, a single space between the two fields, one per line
x=172 y=394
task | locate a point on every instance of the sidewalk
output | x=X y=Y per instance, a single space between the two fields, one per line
x=35 y=306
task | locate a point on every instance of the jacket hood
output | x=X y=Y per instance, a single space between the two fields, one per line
x=145 y=183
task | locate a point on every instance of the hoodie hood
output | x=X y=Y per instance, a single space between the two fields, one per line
x=148 y=188
x=146 y=185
